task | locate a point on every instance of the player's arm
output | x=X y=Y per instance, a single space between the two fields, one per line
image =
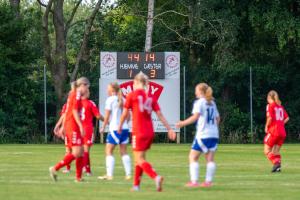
x=268 y=122
x=161 y=117
x=218 y=120
x=78 y=121
x=286 y=120
x=192 y=119
x=59 y=124
x=124 y=117
x=105 y=121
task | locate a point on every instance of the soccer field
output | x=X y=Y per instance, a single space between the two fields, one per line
x=242 y=173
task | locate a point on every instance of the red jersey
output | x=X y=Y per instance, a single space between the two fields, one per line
x=73 y=103
x=88 y=111
x=277 y=114
x=141 y=106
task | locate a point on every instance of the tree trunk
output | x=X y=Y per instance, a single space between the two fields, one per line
x=149 y=29
x=59 y=67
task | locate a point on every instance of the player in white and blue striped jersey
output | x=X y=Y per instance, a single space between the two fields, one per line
x=206 y=114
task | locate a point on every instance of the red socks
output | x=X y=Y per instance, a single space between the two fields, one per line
x=86 y=162
x=79 y=166
x=137 y=175
x=275 y=159
x=66 y=161
x=147 y=168
x=68 y=167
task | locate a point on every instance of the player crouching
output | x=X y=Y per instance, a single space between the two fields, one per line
x=206 y=114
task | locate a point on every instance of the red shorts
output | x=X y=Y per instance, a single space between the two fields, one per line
x=89 y=136
x=272 y=140
x=73 y=138
x=67 y=143
x=142 y=143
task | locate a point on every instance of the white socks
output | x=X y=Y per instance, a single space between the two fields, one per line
x=110 y=164
x=210 y=171
x=194 y=172
x=127 y=164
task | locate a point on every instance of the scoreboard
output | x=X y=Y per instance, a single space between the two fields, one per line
x=131 y=63
x=163 y=70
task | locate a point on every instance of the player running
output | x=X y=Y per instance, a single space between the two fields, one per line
x=113 y=111
x=88 y=111
x=141 y=106
x=206 y=114
x=277 y=117
x=74 y=130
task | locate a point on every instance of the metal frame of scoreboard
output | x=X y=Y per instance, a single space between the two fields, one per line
x=163 y=69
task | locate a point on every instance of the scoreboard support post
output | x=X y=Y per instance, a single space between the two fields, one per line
x=178 y=138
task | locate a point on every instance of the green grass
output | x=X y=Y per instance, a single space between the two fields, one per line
x=243 y=173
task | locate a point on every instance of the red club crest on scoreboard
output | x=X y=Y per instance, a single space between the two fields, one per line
x=108 y=60
x=154 y=90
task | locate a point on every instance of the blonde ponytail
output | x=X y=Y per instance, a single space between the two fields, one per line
x=207 y=91
x=209 y=94
x=115 y=86
x=142 y=78
x=73 y=85
x=274 y=96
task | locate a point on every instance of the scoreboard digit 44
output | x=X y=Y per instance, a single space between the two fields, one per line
x=131 y=63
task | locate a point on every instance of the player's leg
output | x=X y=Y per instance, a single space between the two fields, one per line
x=126 y=161
x=68 y=158
x=140 y=159
x=194 y=155
x=86 y=159
x=194 y=168
x=210 y=169
x=209 y=146
x=277 y=156
x=268 y=146
x=276 y=152
x=124 y=140
x=68 y=167
x=110 y=162
x=77 y=151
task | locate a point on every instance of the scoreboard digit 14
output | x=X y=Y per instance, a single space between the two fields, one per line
x=131 y=63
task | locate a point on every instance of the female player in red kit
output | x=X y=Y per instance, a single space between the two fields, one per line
x=88 y=111
x=277 y=117
x=73 y=129
x=142 y=129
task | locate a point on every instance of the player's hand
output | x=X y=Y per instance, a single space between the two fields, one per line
x=266 y=129
x=81 y=131
x=61 y=133
x=119 y=130
x=179 y=124
x=101 y=130
x=171 y=135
